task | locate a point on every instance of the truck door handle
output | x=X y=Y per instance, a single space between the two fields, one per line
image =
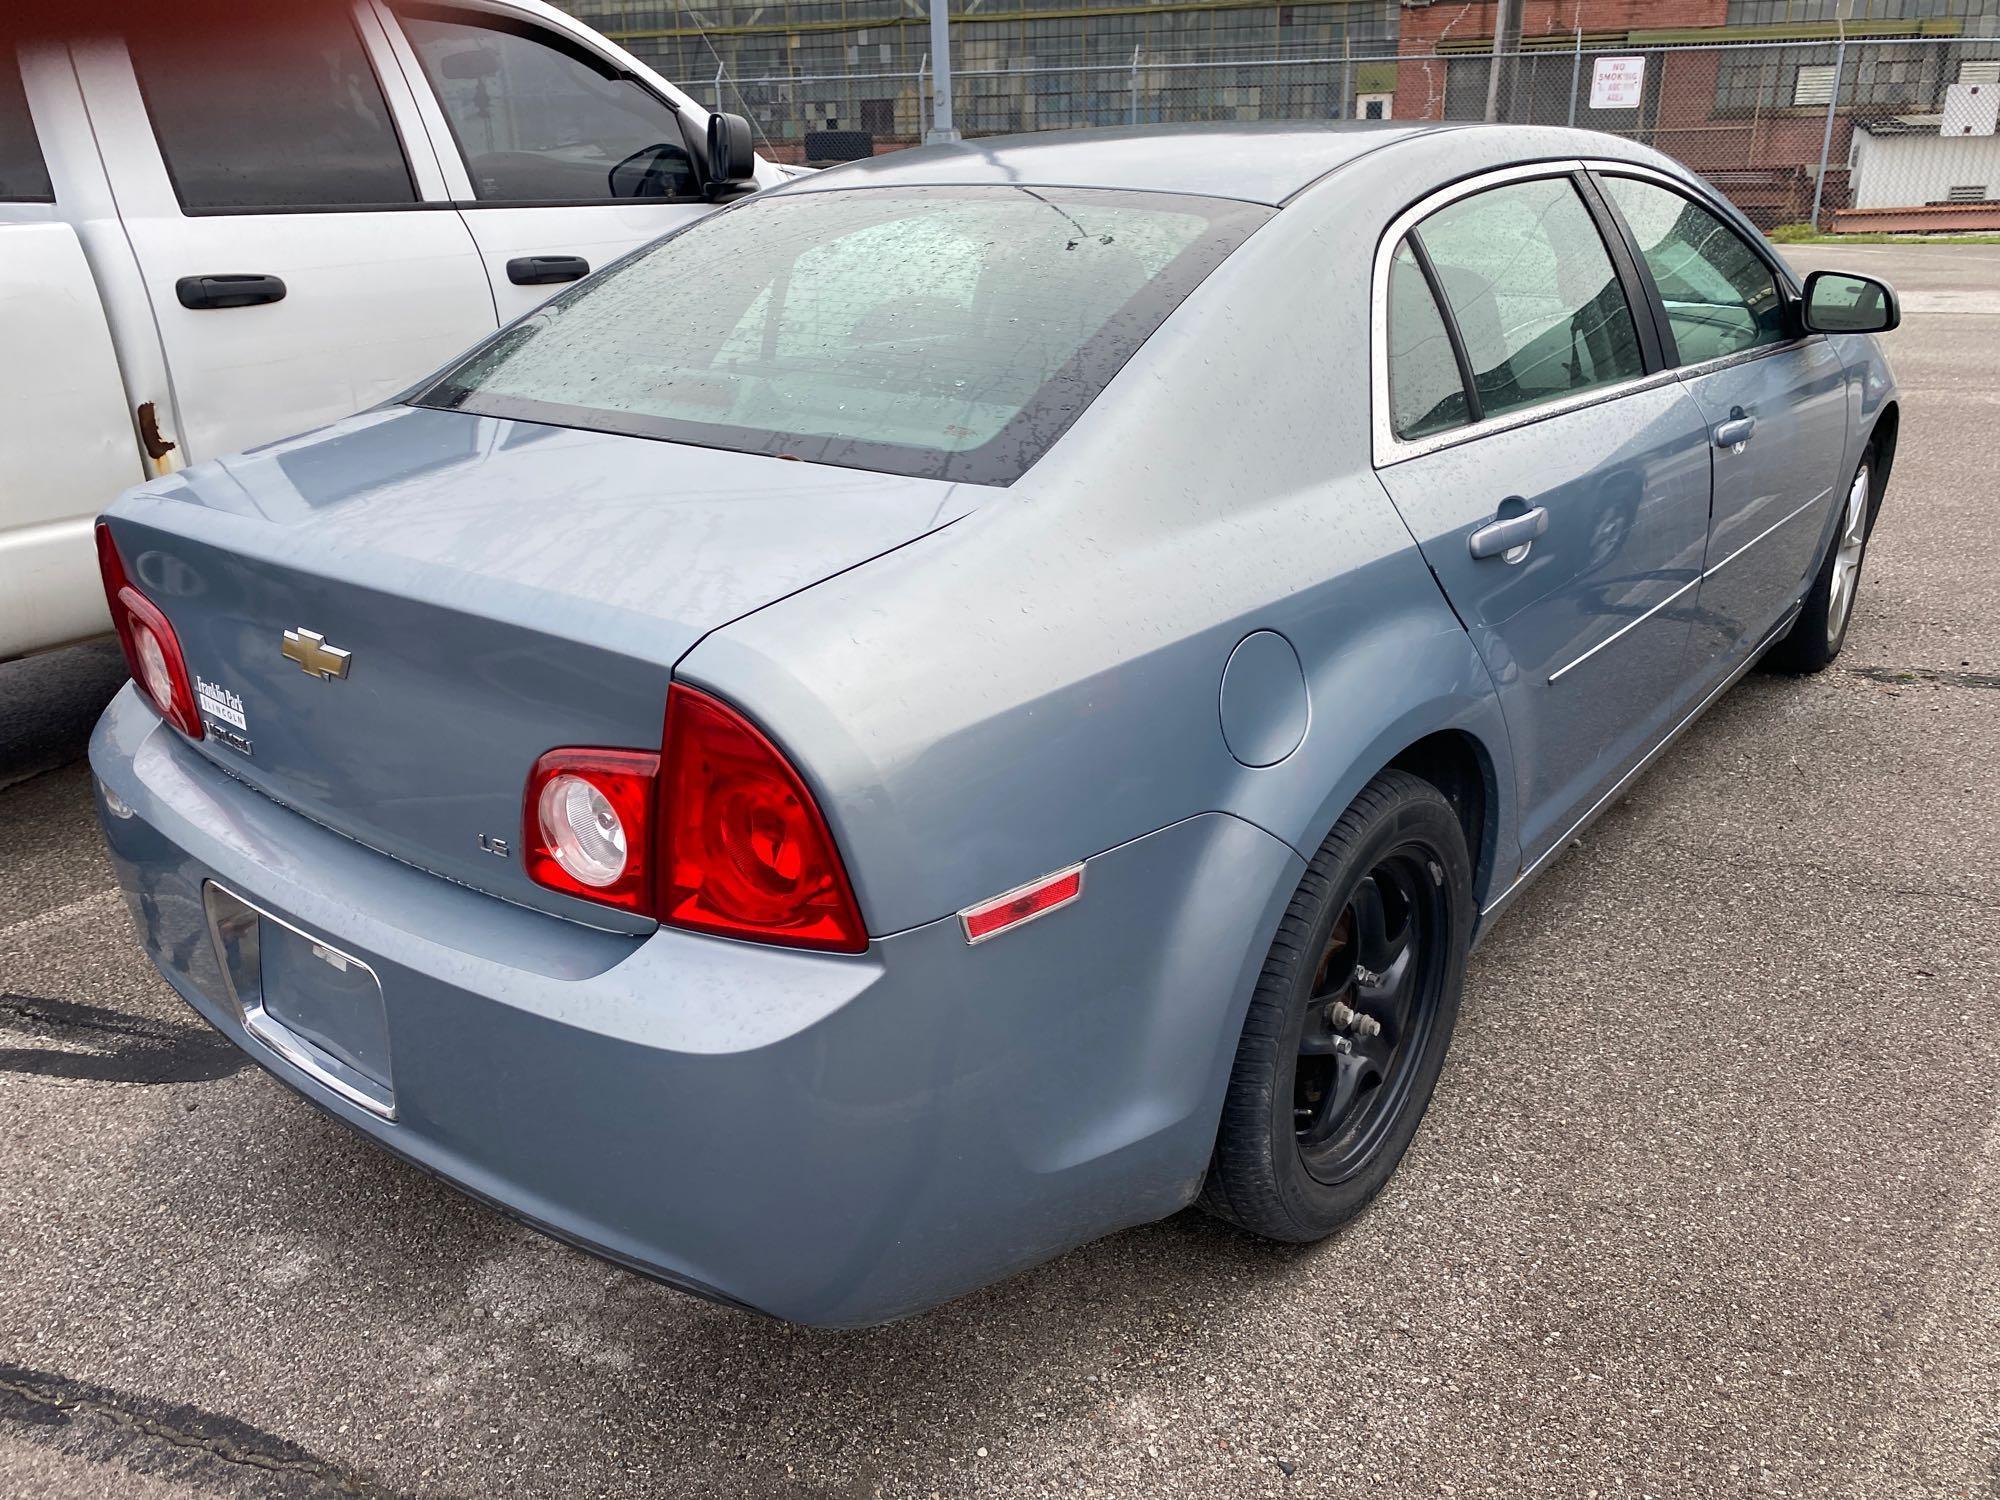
x=1736 y=431
x=540 y=270
x=229 y=289
x=1497 y=538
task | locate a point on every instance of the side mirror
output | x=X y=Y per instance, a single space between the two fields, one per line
x=732 y=160
x=1841 y=302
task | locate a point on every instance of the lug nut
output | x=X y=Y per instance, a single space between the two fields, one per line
x=1342 y=1016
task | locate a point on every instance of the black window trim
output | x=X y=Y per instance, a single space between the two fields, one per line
x=464 y=15
x=1477 y=424
x=416 y=200
x=469 y=205
x=1656 y=339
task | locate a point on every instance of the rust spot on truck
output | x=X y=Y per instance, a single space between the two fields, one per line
x=156 y=446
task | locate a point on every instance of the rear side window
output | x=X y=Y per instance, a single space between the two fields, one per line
x=274 y=110
x=542 y=119
x=1531 y=287
x=1721 y=296
x=948 y=332
x=24 y=177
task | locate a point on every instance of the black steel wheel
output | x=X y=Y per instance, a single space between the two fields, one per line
x=1347 y=1032
x=1373 y=1005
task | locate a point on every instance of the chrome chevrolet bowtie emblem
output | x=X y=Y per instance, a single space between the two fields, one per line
x=309 y=649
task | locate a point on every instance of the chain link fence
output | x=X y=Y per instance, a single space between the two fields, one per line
x=1890 y=134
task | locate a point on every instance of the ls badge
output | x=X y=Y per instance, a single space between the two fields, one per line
x=315 y=657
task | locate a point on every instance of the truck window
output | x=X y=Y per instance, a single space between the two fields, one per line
x=24 y=178
x=540 y=118
x=272 y=113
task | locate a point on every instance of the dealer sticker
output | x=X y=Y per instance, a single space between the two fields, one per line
x=219 y=703
x=222 y=715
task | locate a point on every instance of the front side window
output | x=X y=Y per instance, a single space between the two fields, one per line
x=262 y=111
x=948 y=332
x=1538 y=305
x=542 y=119
x=24 y=177
x=1721 y=296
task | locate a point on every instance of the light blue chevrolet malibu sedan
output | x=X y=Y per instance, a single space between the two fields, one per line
x=981 y=697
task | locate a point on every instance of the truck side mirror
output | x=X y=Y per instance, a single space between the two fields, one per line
x=732 y=160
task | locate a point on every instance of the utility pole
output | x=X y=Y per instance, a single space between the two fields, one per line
x=1832 y=112
x=1345 y=110
x=1506 y=41
x=942 y=128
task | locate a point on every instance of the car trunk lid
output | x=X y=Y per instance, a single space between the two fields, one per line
x=497 y=588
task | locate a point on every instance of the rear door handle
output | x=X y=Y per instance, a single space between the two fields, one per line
x=541 y=270
x=1497 y=538
x=1735 y=432
x=229 y=289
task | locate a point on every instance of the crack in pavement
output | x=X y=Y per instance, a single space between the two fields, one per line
x=1905 y=676
x=133 y=1430
x=125 y=1049
x=60 y=1017
x=13 y=780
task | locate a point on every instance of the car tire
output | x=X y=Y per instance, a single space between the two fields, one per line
x=1820 y=630
x=1347 y=1031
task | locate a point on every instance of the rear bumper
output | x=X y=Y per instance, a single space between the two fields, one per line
x=833 y=1140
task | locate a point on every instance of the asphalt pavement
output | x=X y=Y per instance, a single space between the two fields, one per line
x=1708 y=1203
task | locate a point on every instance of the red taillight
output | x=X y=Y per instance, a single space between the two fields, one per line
x=718 y=835
x=747 y=853
x=152 y=650
x=589 y=822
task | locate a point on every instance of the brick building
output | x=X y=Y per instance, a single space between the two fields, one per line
x=1737 y=89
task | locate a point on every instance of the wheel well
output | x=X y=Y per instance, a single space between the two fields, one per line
x=1456 y=764
x=1887 y=424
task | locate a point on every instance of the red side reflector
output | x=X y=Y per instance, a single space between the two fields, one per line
x=1036 y=899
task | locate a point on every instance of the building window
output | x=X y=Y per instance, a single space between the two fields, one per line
x=1814 y=84
x=1897 y=76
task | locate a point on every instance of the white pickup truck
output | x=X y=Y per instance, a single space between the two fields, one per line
x=223 y=224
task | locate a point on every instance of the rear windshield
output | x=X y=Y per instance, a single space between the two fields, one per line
x=952 y=333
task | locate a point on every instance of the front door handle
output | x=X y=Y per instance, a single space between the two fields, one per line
x=1736 y=431
x=541 y=270
x=231 y=289
x=1498 y=538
